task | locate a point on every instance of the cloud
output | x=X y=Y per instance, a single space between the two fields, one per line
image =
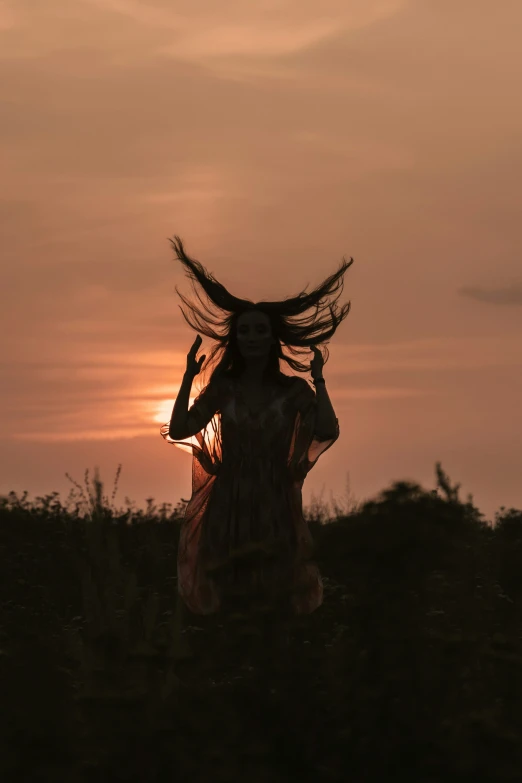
x=255 y=43
x=113 y=392
x=509 y=295
x=134 y=30
x=255 y=20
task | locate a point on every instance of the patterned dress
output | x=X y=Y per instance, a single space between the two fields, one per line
x=243 y=537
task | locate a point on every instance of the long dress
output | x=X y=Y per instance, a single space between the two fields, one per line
x=243 y=535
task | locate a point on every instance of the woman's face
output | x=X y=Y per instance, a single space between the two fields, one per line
x=254 y=334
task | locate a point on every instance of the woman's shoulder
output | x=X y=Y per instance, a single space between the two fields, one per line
x=301 y=383
x=300 y=390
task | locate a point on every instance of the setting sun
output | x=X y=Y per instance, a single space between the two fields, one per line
x=163 y=412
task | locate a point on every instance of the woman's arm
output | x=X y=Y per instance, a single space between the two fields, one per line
x=178 y=421
x=326 y=422
x=206 y=404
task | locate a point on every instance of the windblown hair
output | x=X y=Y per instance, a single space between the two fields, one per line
x=287 y=328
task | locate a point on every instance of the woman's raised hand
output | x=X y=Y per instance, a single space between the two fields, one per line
x=193 y=364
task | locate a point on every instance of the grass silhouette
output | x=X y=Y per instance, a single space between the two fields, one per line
x=411 y=668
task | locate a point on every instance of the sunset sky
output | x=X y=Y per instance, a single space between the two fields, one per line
x=274 y=138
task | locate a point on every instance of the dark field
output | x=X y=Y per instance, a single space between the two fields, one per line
x=410 y=670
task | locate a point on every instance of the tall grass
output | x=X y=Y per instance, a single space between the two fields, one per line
x=411 y=667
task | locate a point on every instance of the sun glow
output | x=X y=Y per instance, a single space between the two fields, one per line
x=162 y=414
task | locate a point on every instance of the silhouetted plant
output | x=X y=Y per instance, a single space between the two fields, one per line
x=411 y=666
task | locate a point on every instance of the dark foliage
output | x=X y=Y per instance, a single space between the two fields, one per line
x=410 y=670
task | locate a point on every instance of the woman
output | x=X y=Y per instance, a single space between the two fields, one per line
x=244 y=540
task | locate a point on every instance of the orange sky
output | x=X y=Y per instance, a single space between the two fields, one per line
x=274 y=138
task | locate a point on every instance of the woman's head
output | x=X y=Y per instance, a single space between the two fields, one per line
x=253 y=334
x=266 y=324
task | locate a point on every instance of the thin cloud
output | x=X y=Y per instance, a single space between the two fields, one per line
x=194 y=33
x=93 y=386
x=510 y=295
x=287 y=14
x=268 y=32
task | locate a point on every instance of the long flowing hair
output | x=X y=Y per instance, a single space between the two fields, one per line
x=286 y=326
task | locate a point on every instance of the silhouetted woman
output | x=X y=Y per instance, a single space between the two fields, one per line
x=244 y=541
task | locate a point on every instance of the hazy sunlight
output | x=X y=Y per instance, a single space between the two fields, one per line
x=163 y=412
